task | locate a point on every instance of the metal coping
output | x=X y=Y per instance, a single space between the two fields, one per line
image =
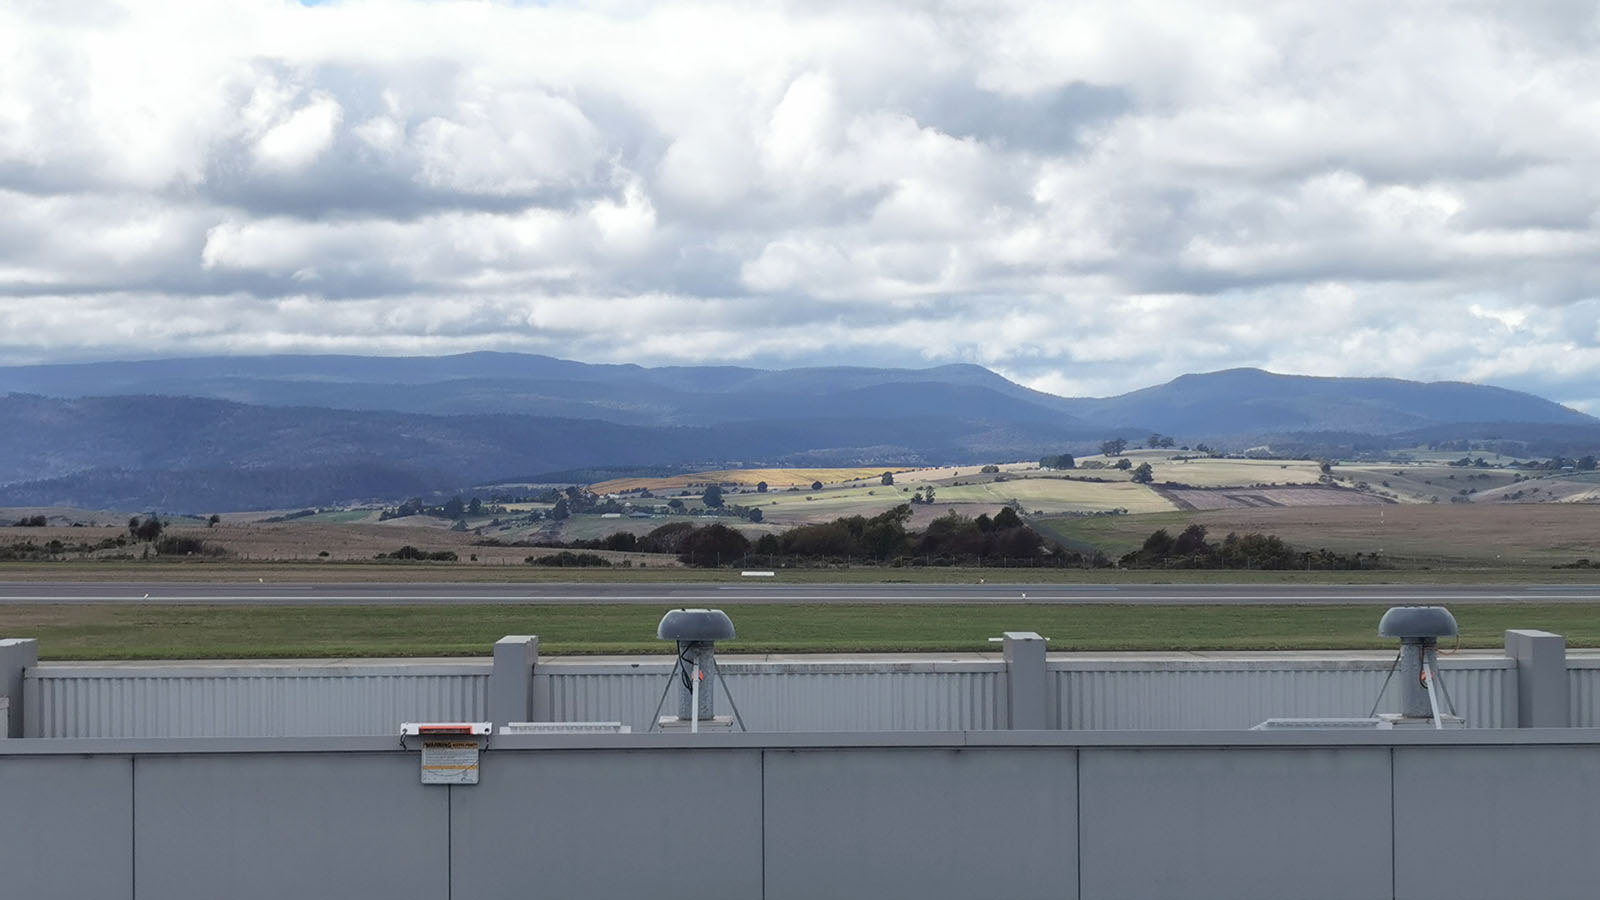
x=948 y=740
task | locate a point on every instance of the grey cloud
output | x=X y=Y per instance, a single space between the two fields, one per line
x=914 y=183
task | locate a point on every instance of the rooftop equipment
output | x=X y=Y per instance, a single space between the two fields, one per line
x=1419 y=629
x=696 y=632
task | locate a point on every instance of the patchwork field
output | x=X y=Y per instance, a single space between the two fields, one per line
x=1265 y=498
x=1456 y=535
x=776 y=479
x=1415 y=514
x=1051 y=494
x=1425 y=483
x=1227 y=472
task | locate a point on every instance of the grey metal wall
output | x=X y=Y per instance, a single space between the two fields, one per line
x=936 y=815
x=861 y=695
x=1240 y=693
x=864 y=694
x=1583 y=691
x=255 y=699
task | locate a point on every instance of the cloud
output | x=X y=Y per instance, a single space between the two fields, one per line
x=1088 y=197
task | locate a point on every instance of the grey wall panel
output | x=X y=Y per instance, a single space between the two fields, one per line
x=274 y=826
x=866 y=700
x=868 y=694
x=1177 y=695
x=1497 y=822
x=863 y=696
x=249 y=701
x=661 y=825
x=1237 y=823
x=626 y=697
x=1583 y=692
x=66 y=828
x=917 y=823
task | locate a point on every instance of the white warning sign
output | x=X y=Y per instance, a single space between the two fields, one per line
x=450 y=762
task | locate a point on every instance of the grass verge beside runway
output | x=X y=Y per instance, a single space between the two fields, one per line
x=235 y=572
x=221 y=632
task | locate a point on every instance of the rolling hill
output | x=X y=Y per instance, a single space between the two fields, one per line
x=241 y=432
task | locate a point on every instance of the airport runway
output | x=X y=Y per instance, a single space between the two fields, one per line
x=677 y=595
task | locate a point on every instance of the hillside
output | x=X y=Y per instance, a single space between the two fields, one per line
x=1241 y=401
x=192 y=454
x=254 y=432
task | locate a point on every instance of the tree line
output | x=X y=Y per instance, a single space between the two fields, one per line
x=952 y=539
x=1190 y=550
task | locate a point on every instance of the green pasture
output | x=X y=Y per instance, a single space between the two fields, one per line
x=221 y=632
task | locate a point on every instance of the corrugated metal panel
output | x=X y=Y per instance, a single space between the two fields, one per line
x=866 y=695
x=250 y=701
x=870 y=701
x=607 y=696
x=1583 y=692
x=798 y=696
x=1240 y=694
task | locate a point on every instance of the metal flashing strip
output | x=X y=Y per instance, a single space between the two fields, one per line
x=1043 y=740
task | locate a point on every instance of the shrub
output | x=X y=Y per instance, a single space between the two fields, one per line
x=410 y=552
x=568 y=558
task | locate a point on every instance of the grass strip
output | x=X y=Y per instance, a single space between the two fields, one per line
x=226 y=571
x=104 y=632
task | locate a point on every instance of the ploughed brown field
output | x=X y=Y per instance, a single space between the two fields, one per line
x=1265 y=497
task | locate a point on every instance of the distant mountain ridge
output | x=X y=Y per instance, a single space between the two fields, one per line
x=298 y=430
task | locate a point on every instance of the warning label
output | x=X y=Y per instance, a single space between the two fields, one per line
x=449 y=762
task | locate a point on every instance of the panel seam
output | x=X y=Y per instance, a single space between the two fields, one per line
x=763 y=825
x=133 y=827
x=1394 y=836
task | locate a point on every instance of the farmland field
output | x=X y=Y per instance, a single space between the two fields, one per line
x=1229 y=472
x=1422 y=483
x=1457 y=535
x=775 y=478
x=1268 y=497
x=1056 y=494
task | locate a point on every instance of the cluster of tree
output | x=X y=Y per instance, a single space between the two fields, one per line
x=290 y=517
x=410 y=552
x=1059 y=461
x=454 y=508
x=1560 y=463
x=924 y=495
x=32 y=522
x=29 y=551
x=951 y=539
x=568 y=558
x=1157 y=441
x=178 y=545
x=1113 y=447
x=993 y=469
x=1191 y=550
x=147 y=529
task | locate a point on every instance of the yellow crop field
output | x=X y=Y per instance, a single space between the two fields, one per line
x=1235 y=472
x=792 y=507
x=776 y=479
x=1060 y=495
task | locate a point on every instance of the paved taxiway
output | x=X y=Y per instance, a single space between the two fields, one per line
x=675 y=595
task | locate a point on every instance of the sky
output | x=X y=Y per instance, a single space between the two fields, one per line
x=1086 y=197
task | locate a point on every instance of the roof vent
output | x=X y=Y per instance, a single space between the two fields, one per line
x=696 y=625
x=1417 y=622
x=1419 y=629
x=695 y=670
